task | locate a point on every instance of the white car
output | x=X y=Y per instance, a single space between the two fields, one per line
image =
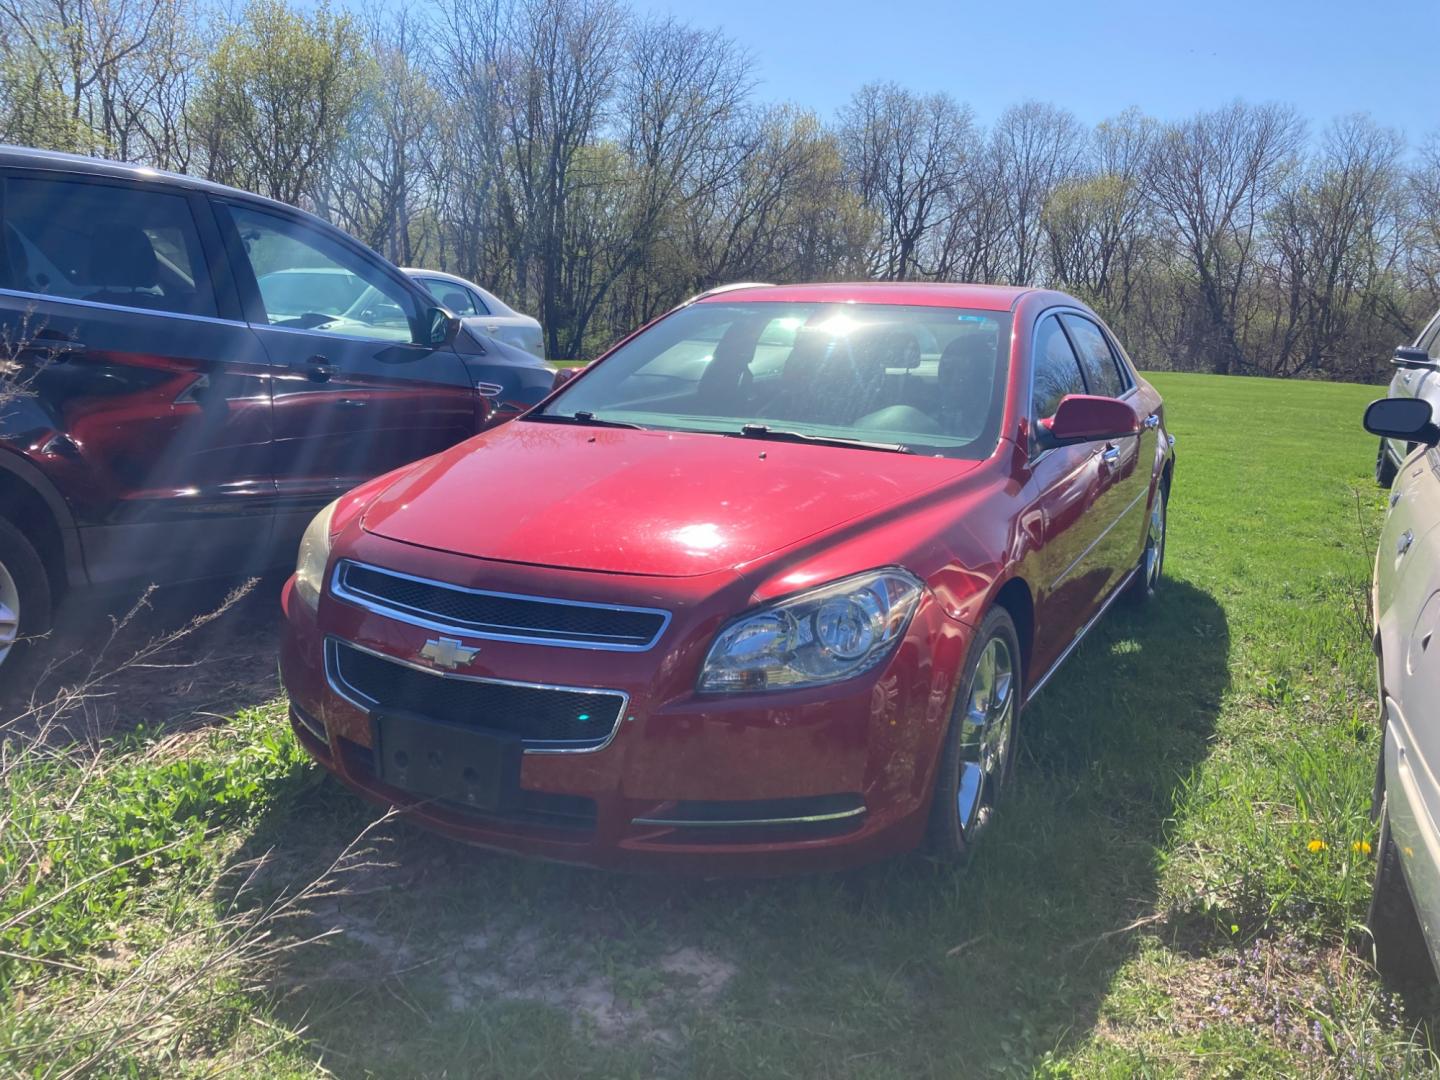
x=481 y=310
x=1405 y=602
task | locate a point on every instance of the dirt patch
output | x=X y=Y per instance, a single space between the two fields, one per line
x=605 y=997
x=228 y=663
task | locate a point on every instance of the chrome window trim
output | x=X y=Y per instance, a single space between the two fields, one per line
x=1059 y=309
x=807 y=819
x=378 y=606
x=531 y=746
x=51 y=299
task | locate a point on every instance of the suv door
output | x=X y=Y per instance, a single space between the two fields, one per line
x=151 y=404
x=1125 y=464
x=359 y=392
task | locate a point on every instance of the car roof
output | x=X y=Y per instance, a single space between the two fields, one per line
x=917 y=293
x=491 y=300
x=24 y=157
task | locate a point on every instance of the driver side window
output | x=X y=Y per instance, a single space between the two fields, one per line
x=1057 y=372
x=309 y=282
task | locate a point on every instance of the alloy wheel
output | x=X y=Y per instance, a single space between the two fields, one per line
x=989 y=722
x=1155 y=543
x=9 y=612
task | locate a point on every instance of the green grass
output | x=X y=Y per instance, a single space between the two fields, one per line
x=1147 y=905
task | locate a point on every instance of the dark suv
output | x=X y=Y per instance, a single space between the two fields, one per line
x=188 y=373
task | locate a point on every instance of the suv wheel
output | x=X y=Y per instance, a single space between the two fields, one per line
x=1401 y=955
x=24 y=592
x=1385 y=468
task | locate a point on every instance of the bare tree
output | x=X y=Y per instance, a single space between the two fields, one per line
x=1216 y=174
x=1037 y=147
x=904 y=155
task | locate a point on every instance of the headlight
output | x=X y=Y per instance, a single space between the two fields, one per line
x=820 y=636
x=314 y=554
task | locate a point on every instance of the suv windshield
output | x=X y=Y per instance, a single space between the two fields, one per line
x=929 y=379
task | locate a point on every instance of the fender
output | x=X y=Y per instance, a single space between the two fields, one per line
x=12 y=463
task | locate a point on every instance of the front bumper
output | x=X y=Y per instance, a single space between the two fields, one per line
x=838 y=775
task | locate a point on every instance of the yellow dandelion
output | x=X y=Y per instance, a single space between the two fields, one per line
x=1362 y=846
x=1317 y=845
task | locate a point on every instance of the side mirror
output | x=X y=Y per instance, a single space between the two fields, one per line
x=1082 y=418
x=565 y=374
x=1406 y=357
x=1404 y=419
x=443 y=327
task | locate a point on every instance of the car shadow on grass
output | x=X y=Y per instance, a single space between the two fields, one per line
x=451 y=961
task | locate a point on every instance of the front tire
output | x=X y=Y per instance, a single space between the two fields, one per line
x=978 y=757
x=24 y=593
x=1385 y=467
x=1401 y=956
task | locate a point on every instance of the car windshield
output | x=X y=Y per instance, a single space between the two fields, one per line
x=927 y=379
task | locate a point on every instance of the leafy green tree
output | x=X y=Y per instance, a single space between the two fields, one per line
x=278 y=96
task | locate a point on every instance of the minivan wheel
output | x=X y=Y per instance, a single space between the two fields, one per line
x=1385 y=467
x=24 y=592
x=1401 y=955
x=977 y=759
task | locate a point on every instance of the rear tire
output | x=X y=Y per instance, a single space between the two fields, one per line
x=1146 y=581
x=978 y=756
x=1385 y=467
x=25 y=599
x=1401 y=956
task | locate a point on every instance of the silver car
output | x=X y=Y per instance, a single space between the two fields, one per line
x=482 y=311
x=1405 y=603
x=1417 y=375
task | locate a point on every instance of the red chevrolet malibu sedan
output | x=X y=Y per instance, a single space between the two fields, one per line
x=764 y=589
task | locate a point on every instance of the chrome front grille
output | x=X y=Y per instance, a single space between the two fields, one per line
x=481 y=613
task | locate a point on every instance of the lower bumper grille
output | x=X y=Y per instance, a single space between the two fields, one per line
x=545 y=717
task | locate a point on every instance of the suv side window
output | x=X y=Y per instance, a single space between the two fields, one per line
x=104 y=243
x=1057 y=372
x=1102 y=372
x=311 y=264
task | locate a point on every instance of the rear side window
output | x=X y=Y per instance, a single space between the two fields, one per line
x=111 y=245
x=457 y=298
x=1057 y=372
x=1102 y=372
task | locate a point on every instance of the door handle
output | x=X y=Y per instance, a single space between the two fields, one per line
x=1110 y=455
x=1152 y=421
x=317 y=368
x=1403 y=544
x=55 y=345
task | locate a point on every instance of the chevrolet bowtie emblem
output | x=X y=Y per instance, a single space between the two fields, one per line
x=447 y=652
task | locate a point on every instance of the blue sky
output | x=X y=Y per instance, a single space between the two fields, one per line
x=1169 y=58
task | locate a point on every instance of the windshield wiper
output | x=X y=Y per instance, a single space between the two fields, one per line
x=584 y=418
x=765 y=431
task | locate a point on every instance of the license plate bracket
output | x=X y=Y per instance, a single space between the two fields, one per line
x=476 y=769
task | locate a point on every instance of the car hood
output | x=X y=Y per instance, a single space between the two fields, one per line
x=666 y=504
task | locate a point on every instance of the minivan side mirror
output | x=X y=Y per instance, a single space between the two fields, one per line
x=1081 y=418
x=1405 y=419
x=1406 y=357
x=443 y=327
